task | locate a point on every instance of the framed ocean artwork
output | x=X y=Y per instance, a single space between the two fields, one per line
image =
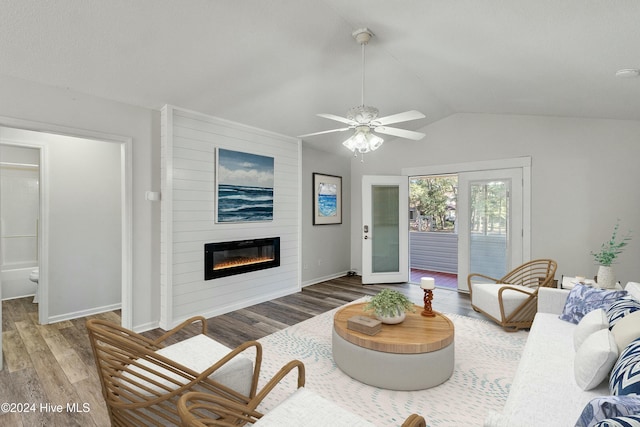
x=327 y=199
x=244 y=187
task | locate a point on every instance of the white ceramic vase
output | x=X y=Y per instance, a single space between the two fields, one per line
x=391 y=320
x=606 y=277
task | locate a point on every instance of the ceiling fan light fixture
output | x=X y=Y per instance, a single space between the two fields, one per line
x=363 y=141
x=374 y=141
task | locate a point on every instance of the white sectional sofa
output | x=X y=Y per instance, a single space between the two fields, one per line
x=544 y=391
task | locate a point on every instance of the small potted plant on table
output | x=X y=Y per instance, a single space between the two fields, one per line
x=606 y=256
x=390 y=306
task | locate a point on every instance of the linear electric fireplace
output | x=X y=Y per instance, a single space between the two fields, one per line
x=241 y=256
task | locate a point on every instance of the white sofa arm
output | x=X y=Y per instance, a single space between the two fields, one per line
x=634 y=289
x=551 y=300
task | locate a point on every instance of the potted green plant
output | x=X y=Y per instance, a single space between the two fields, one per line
x=390 y=306
x=607 y=255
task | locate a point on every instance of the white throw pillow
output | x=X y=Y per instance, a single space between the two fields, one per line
x=592 y=322
x=626 y=330
x=595 y=359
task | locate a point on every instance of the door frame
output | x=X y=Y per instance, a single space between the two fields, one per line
x=126 y=209
x=523 y=163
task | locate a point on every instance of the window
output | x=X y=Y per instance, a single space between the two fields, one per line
x=433 y=202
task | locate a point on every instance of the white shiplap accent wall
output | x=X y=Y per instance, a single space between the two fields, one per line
x=189 y=142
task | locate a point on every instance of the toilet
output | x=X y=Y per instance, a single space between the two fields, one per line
x=34 y=276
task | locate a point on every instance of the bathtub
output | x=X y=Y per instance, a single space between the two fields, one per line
x=15 y=280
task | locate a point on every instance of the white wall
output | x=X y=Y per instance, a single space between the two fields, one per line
x=85 y=247
x=325 y=248
x=30 y=101
x=584 y=176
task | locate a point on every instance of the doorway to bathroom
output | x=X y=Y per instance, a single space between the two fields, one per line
x=19 y=220
x=83 y=237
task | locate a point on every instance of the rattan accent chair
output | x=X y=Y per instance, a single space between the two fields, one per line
x=142 y=379
x=512 y=301
x=302 y=408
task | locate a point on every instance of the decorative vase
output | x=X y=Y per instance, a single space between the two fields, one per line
x=391 y=320
x=606 y=277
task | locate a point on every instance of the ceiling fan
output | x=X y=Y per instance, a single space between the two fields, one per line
x=364 y=119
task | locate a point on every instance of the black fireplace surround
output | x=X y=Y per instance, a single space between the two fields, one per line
x=241 y=256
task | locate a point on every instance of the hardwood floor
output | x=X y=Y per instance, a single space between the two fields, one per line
x=47 y=365
x=443 y=280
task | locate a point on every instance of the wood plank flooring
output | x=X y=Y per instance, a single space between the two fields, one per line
x=47 y=365
x=443 y=280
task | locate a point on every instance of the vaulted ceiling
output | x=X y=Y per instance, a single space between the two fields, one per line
x=274 y=64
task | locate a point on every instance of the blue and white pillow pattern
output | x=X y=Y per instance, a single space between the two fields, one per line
x=621 y=308
x=605 y=407
x=628 y=421
x=583 y=299
x=625 y=377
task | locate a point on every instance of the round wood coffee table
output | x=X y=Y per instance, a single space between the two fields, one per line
x=413 y=355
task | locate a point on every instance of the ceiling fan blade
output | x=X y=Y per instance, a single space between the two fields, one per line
x=402 y=133
x=338 y=119
x=400 y=117
x=323 y=132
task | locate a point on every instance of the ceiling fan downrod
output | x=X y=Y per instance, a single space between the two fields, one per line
x=362 y=36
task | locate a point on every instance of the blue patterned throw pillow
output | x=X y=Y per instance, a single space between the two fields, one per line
x=621 y=308
x=625 y=377
x=605 y=407
x=582 y=299
x=628 y=421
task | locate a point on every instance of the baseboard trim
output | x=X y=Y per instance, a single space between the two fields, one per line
x=22 y=296
x=83 y=313
x=324 y=279
x=146 y=327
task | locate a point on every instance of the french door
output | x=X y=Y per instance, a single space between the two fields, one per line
x=490 y=223
x=385 y=236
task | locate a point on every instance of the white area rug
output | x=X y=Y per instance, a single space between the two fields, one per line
x=486 y=361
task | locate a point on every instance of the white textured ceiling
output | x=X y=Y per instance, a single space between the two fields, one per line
x=274 y=64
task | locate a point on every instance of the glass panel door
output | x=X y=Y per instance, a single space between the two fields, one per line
x=490 y=226
x=385 y=240
x=386 y=227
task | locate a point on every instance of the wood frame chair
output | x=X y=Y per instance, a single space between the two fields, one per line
x=519 y=286
x=206 y=410
x=142 y=387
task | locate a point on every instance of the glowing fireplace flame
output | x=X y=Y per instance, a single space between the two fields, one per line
x=241 y=261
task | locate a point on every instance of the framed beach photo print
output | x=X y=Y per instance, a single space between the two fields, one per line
x=244 y=187
x=327 y=199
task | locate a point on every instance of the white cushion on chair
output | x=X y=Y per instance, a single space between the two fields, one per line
x=308 y=409
x=485 y=297
x=199 y=353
